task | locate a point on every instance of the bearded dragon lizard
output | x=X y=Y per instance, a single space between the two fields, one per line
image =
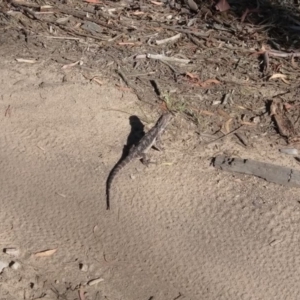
x=150 y=139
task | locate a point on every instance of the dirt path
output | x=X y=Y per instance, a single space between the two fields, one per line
x=178 y=230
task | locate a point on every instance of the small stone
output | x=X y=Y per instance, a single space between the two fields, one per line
x=256 y=120
x=11 y=251
x=83 y=267
x=3 y=265
x=289 y=151
x=95 y=281
x=15 y=265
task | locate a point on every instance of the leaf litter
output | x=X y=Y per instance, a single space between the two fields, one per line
x=203 y=51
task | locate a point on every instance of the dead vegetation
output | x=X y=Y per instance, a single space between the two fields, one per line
x=221 y=64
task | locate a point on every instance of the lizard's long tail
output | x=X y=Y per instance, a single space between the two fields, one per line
x=110 y=179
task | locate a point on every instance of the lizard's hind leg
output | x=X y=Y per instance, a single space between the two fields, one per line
x=158 y=145
x=146 y=160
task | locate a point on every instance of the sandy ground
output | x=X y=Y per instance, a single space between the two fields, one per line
x=177 y=230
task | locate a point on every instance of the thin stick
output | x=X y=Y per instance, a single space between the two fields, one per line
x=60 y=37
x=224 y=136
x=283 y=54
x=163 y=57
x=266 y=62
x=170 y=39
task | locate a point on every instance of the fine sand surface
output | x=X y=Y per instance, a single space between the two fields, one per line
x=179 y=229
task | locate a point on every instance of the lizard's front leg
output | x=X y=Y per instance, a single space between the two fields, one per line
x=145 y=159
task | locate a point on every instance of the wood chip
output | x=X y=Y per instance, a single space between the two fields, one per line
x=281 y=76
x=68 y=66
x=270 y=172
x=45 y=253
x=28 y=61
x=95 y=281
x=81 y=293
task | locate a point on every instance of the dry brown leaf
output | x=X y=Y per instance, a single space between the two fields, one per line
x=45 y=253
x=223 y=114
x=206 y=112
x=280 y=76
x=196 y=80
x=192 y=78
x=123 y=88
x=227 y=126
x=222 y=5
x=288 y=106
x=247 y=12
x=191 y=75
x=284 y=125
x=81 y=293
x=209 y=82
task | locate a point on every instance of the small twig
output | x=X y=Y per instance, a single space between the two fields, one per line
x=82 y=16
x=24 y=3
x=123 y=77
x=30 y=13
x=170 y=39
x=8 y=111
x=196 y=33
x=163 y=57
x=242 y=138
x=266 y=62
x=172 y=68
x=127 y=82
x=224 y=136
x=81 y=293
x=283 y=54
x=141 y=74
x=60 y=37
x=199 y=34
x=194 y=40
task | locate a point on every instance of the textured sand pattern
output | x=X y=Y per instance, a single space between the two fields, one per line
x=176 y=228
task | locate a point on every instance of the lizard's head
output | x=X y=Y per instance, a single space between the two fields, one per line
x=164 y=120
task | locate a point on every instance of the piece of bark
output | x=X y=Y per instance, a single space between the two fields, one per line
x=269 y=172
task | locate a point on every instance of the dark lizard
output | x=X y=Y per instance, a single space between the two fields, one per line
x=150 y=139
